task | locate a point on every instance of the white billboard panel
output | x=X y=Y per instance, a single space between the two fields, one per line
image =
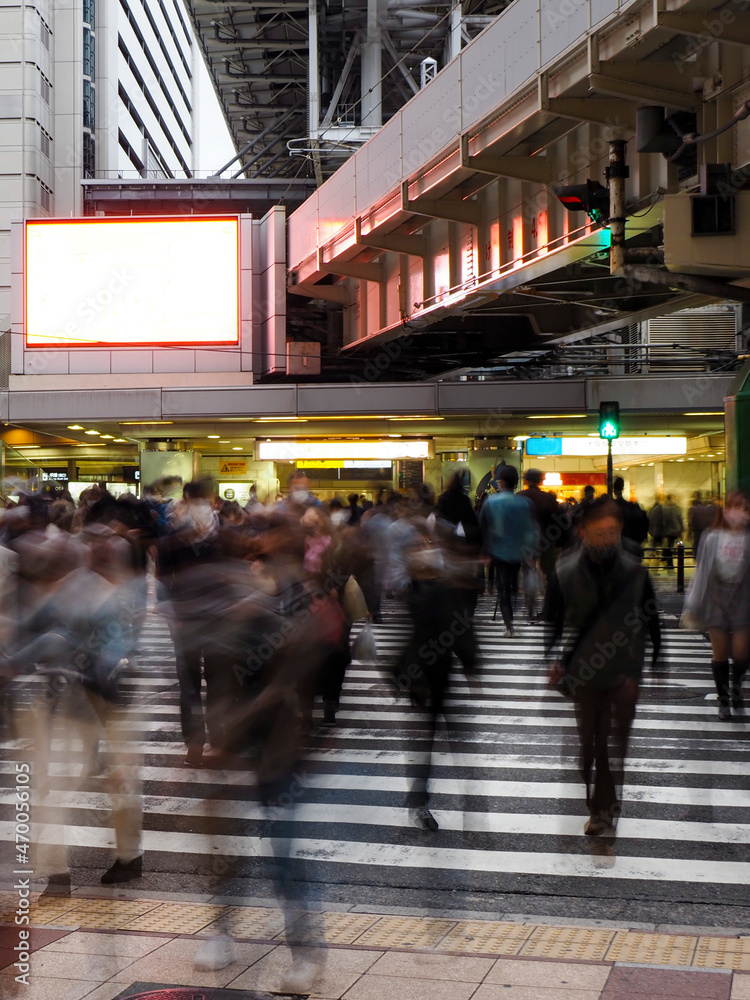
x=132 y=282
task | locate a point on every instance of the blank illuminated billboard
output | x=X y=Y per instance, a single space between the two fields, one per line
x=132 y=282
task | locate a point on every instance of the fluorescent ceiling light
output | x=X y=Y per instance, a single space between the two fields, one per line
x=283 y=451
x=237 y=448
x=75 y=427
x=108 y=437
x=119 y=441
x=93 y=433
x=144 y=423
x=212 y=437
x=414 y=418
x=706 y=413
x=559 y=416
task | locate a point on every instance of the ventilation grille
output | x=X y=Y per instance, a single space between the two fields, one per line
x=45 y=89
x=4 y=360
x=44 y=143
x=45 y=33
x=696 y=334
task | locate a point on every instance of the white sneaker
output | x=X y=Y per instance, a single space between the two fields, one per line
x=508 y=633
x=216 y=953
x=302 y=976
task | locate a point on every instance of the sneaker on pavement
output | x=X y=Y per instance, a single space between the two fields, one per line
x=302 y=976
x=216 y=953
x=424 y=819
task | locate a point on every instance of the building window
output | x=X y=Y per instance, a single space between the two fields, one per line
x=89 y=13
x=89 y=105
x=89 y=155
x=89 y=53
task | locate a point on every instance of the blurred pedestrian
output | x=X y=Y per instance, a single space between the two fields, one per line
x=701 y=516
x=509 y=538
x=605 y=598
x=719 y=599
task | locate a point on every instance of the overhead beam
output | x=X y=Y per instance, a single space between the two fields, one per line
x=597 y=110
x=468 y=212
x=617 y=87
x=687 y=283
x=327 y=293
x=537 y=169
x=341 y=83
x=352 y=269
x=733 y=31
x=412 y=246
x=398 y=61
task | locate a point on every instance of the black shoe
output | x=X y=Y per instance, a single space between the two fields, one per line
x=194 y=757
x=57 y=885
x=725 y=713
x=424 y=819
x=329 y=713
x=120 y=872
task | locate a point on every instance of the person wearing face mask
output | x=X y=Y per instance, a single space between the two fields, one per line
x=299 y=495
x=603 y=597
x=719 y=599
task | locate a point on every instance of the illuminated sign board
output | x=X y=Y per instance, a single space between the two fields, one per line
x=132 y=282
x=595 y=446
x=290 y=451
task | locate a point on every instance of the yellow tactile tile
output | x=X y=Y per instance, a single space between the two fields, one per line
x=177 y=918
x=110 y=914
x=406 y=932
x=568 y=942
x=49 y=910
x=656 y=949
x=722 y=953
x=486 y=937
x=249 y=922
x=346 y=928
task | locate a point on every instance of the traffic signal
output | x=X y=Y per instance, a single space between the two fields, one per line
x=591 y=197
x=609 y=421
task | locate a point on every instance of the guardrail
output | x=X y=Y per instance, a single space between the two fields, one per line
x=679 y=554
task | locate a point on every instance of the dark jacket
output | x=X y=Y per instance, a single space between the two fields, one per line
x=610 y=608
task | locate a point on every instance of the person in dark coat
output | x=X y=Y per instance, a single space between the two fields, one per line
x=605 y=598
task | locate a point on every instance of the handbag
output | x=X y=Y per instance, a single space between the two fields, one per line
x=364 y=647
x=353 y=601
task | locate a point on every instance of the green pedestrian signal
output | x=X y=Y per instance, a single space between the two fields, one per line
x=609 y=421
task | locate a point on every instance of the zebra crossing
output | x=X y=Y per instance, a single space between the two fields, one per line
x=505 y=788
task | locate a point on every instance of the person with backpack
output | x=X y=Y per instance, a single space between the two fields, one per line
x=634 y=518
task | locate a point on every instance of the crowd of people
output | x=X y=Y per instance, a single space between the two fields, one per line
x=261 y=602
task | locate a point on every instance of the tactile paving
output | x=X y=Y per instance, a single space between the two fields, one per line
x=249 y=922
x=176 y=918
x=406 y=932
x=346 y=928
x=652 y=949
x=568 y=942
x=50 y=910
x=722 y=953
x=110 y=914
x=486 y=937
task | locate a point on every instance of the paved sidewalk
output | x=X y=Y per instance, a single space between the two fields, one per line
x=99 y=947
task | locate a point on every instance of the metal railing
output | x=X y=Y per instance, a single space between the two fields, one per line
x=678 y=556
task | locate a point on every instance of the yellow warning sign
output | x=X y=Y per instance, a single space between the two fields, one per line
x=233 y=467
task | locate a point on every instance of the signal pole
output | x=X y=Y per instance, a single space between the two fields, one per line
x=617 y=171
x=610 y=476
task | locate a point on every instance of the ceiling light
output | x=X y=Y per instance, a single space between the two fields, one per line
x=224 y=441
x=413 y=418
x=559 y=416
x=108 y=437
x=93 y=433
x=394 y=435
x=707 y=413
x=75 y=427
x=280 y=420
x=119 y=441
x=212 y=437
x=143 y=423
x=521 y=437
x=237 y=448
x=710 y=454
